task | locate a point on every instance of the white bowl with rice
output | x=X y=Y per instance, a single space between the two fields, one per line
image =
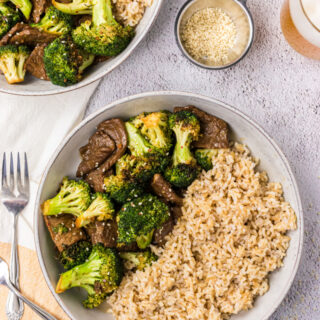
x=139 y=13
x=232 y=235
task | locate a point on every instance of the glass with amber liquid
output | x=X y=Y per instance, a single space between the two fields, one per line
x=300 y=23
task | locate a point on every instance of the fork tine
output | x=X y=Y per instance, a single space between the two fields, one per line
x=4 y=183
x=11 y=178
x=26 y=175
x=19 y=182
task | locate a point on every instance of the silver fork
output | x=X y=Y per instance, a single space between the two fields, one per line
x=15 y=196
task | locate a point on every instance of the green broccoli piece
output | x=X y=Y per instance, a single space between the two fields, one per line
x=140 y=260
x=100 y=275
x=8 y=18
x=100 y=208
x=73 y=198
x=204 y=158
x=12 y=61
x=138 y=219
x=104 y=35
x=25 y=6
x=74 y=7
x=75 y=254
x=144 y=154
x=64 y=62
x=183 y=170
x=55 y=22
x=60 y=229
x=155 y=127
x=121 y=189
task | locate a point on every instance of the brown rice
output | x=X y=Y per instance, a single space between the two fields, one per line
x=130 y=12
x=216 y=261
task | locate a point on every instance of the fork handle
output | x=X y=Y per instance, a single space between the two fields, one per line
x=14 y=306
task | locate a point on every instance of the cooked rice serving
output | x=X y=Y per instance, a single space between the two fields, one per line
x=130 y=12
x=216 y=261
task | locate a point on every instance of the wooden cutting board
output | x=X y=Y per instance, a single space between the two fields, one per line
x=32 y=285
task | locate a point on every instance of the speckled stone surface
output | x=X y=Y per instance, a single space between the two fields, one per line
x=275 y=86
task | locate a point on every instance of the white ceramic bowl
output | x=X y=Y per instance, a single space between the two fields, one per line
x=66 y=159
x=36 y=87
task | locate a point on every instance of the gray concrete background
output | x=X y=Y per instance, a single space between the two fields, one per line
x=275 y=86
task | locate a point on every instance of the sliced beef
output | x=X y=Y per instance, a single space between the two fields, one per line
x=98 y=149
x=96 y=179
x=176 y=213
x=116 y=130
x=128 y=247
x=68 y=237
x=160 y=234
x=163 y=189
x=15 y=29
x=22 y=33
x=38 y=8
x=104 y=232
x=35 y=63
x=214 y=131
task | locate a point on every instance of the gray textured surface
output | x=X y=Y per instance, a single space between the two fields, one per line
x=275 y=86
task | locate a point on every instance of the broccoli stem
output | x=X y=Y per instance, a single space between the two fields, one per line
x=144 y=240
x=182 y=152
x=102 y=13
x=25 y=7
x=84 y=276
x=137 y=144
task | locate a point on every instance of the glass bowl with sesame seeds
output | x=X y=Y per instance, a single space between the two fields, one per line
x=214 y=34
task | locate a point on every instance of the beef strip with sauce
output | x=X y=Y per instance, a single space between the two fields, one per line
x=214 y=131
x=116 y=130
x=68 y=237
x=160 y=234
x=106 y=232
x=35 y=63
x=163 y=189
x=98 y=149
x=38 y=8
x=22 y=33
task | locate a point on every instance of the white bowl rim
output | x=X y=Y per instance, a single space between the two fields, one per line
x=114 y=104
x=88 y=80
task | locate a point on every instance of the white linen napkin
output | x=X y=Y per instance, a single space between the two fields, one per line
x=36 y=125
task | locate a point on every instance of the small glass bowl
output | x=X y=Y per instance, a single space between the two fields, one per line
x=242 y=19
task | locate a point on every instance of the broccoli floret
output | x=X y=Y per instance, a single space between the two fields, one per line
x=8 y=18
x=138 y=169
x=75 y=7
x=75 y=254
x=25 y=6
x=12 y=60
x=140 y=260
x=101 y=208
x=122 y=189
x=144 y=154
x=73 y=198
x=183 y=170
x=64 y=62
x=104 y=35
x=204 y=158
x=138 y=219
x=100 y=275
x=55 y=22
x=155 y=127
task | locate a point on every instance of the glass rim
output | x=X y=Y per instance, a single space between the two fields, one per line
x=308 y=16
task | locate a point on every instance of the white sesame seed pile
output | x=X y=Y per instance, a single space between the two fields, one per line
x=209 y=34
